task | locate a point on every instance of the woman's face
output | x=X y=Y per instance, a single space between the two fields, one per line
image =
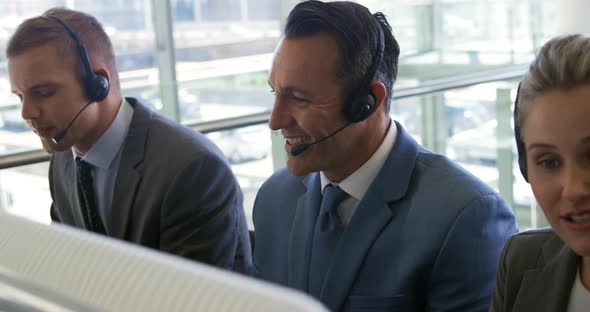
x=556 y=132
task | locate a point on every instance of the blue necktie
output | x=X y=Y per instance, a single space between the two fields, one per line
x=87 y=196
x=326 y=235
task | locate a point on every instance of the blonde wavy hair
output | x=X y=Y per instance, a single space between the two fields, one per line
x=562 y=63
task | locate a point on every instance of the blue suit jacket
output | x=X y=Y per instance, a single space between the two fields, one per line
x=427 y=236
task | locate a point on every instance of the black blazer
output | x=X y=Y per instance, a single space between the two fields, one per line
x=536 y=273
x=174 y=192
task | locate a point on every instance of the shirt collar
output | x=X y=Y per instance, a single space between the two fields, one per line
x=357 y=184
x=102 y=153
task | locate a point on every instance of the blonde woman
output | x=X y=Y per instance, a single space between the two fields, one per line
x=549 y=269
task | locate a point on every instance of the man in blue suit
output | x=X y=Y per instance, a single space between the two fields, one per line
x=364 y=217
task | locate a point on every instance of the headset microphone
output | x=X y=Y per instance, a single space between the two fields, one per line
x=58 y=137
x=303 y=147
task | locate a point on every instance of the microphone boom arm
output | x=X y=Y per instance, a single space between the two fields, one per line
x=58 y=137
x=303 y=147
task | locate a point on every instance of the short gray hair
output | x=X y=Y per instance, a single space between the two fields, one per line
x=562 y=63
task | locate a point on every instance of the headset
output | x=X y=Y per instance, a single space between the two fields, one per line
x=360 y=103
x=96 y=85
x=520 y=146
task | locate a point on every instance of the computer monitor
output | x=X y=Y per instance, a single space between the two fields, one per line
x=62 y=263
x=18 y=295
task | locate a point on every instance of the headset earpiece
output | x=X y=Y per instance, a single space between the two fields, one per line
x=365 y=106
x=520 y=146
x=361 y=102
x=97 y=87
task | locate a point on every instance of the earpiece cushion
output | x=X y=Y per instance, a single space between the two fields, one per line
x=97 y=87
x=360 y=108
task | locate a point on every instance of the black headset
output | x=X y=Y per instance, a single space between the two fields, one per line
x=96 y=85
x=520 y=146
x=361 y=102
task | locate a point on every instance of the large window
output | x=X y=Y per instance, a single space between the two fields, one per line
x=472 y=34
x=223 y=54
x=223 y=51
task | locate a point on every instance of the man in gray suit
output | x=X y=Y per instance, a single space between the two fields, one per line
x=117 y=167
x=364 y=218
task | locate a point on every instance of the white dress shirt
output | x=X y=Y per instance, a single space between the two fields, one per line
x=579 y=297
x=357 y=184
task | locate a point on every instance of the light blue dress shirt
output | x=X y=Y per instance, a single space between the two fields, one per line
x=105 y=156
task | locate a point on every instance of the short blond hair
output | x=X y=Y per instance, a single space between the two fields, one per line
x=562 y=63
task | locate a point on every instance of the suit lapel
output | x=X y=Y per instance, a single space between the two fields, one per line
x=372 y=215
x=548 y=288
x=302 y=229
x=129 y=174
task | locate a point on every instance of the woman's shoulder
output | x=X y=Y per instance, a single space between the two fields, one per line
x=532 y=238
x=525 y=248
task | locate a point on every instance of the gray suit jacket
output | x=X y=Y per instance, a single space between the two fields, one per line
x=174 y=192
x=427 y=236
x=536 y=273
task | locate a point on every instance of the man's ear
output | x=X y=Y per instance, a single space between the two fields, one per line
x=103 y=71
x=379 y=91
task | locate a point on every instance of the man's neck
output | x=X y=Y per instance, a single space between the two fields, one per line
x=367 y=146
x=107 y=114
